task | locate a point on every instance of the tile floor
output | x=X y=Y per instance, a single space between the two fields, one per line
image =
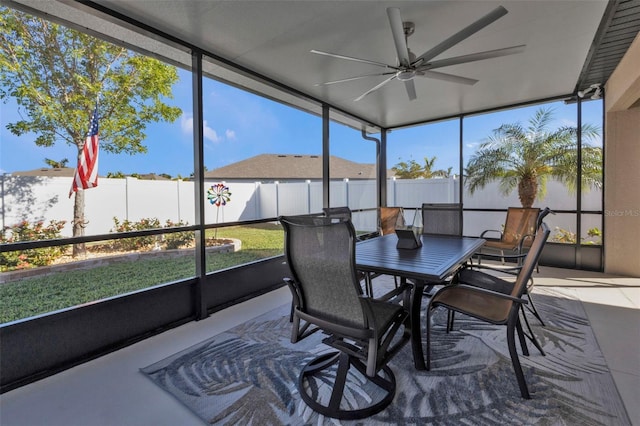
x=111 y=391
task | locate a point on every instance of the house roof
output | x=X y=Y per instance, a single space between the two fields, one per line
x=69 y=172
x=47 y=172
x=292 y=166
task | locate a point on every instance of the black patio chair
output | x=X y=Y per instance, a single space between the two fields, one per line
x=441 y=219
x=472 y=272
x=366 y=332
x=520 y=224
x=338 y=212
x=494 y=307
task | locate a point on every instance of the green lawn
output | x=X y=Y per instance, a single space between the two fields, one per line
x=41 y=294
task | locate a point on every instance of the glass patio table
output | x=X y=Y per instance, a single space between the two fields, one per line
x=438 y=258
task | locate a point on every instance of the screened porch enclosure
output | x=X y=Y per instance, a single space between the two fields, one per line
x=42 y=345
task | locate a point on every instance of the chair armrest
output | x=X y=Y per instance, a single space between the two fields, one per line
x=522 y=241
x=491 y=230
x=404 y=290
x=518 y=258
x=515 y=270
x=367 y=236
x=487 y=292
x=295 y=291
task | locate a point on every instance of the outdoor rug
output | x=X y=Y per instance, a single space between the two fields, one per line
x=248 y=375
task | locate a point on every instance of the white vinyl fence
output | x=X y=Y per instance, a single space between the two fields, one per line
x=35 y=198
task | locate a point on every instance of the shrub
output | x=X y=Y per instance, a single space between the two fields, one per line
x=134 y=243
x=26 y=231
x=177 y=239
x=568 y=237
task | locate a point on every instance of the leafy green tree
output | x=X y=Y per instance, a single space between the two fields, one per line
x=413 y=170
x=56 y=164
x=116 y=175
x=526 y=157
x=56 y=74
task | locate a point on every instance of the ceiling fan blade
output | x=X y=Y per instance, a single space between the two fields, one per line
x=466 y=32
x=397 y=30
x=411 y=89
x=473 y=57
x=373 y=89
x=349 y=58
x=447 y=77
x=353 y=78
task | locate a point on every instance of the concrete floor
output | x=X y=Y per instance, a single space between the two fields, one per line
x=111 y=391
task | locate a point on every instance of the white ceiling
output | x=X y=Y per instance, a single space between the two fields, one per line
x=274 y=39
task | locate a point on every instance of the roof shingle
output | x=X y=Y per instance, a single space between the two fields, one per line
x=292 y=166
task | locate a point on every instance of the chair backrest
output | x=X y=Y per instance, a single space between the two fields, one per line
x=543 y=213
x=519 y=223
x=389 y=219
x=442 y=219
x=320 y=252
x=337 y=212
x=531 y=260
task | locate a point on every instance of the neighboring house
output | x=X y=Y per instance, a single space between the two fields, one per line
x=287 y=168
x=69 y=172
x=47 y=172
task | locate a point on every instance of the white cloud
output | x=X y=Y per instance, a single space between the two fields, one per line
x=230 y=134
x=186 y=124
x=209 y=133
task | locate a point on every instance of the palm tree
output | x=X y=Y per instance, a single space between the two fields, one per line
x=413 y=170
x=526 y=157
x=56 y=164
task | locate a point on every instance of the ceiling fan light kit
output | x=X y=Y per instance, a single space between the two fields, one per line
x=409 y=66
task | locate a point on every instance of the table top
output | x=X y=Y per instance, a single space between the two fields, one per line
x=438 y=257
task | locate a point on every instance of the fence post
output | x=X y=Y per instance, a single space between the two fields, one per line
x=277 y=184
x=346 y=191
x=258 y=204
x=126 y=197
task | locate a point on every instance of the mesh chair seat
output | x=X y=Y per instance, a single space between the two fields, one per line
x=384 y=313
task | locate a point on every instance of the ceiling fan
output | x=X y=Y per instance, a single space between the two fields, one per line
x=410 y=66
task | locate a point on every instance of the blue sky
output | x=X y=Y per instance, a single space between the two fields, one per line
x=239 y=125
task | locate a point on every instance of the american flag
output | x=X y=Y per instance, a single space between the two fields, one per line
x=86 y=175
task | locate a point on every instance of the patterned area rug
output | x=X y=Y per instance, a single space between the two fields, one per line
x=248 y=375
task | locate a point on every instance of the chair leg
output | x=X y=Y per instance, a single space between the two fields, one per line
x=428 y=315
x=530 y=334
x=308 y=392
x=524 y=392
x=533 y=310
x=521 y=337
x=450 y=317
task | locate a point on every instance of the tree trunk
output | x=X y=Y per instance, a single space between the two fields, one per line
x=79 y=223
x=527 y=191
